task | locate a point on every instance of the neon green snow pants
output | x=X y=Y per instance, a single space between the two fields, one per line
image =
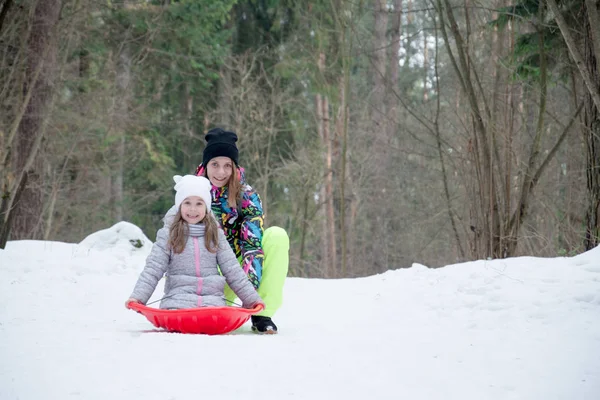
x=276 y=245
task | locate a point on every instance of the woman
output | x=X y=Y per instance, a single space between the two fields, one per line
x=263 y=254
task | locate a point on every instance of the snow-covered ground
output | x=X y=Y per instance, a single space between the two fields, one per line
x=522 y=328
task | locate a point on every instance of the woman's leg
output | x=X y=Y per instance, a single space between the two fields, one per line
x=230 y=296
x=276 y=246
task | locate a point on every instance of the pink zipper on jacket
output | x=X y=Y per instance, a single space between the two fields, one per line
x=197 y=260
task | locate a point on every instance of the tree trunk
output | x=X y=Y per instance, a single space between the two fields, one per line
x=583 y=67
x=425 y=67
x=380 y=126
x=4 y=11
x=448 y=198
x=527 y=182
x=393 y=75
x=329 y=243
x=592 y=131
x=378 y=114
x=587 y=65
x=342 y=133
x=331 y=239
x=485 y=224
x=43 y=48
x=121 y=117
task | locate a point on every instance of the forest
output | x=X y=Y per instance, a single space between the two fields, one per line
x=378 y=133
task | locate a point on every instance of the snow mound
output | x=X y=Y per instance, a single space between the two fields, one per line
x=123 y=235
x=590 y=259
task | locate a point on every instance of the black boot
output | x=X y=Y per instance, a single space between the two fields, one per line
x=263 y=325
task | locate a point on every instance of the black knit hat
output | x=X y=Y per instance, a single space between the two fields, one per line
x=220 y=143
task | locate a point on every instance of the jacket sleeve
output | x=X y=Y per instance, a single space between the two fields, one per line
x=156 y=266
x=251 y=233
x=169 y=217
x=234 y=275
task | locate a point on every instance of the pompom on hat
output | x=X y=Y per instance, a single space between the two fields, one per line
x=191 y=185
x=220 y=143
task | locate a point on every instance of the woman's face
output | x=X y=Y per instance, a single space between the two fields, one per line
x=193 y=209
x=219 y=170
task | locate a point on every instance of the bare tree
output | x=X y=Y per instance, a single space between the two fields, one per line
x=22 y=200
x=393 y=69
x=588 y=67
x=379 y=56
x=323 y=117
x=120 y=114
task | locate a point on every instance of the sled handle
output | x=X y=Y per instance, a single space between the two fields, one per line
x=137 y=307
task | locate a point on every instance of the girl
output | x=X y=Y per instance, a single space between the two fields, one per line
x=263 y=254
x=188 y=253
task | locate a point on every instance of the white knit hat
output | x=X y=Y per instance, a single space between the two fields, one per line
x=191 y=185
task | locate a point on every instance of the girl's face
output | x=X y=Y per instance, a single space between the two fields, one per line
x=219 y=170
x=193 y=209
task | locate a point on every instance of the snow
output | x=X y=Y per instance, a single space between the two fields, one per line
x=521 y=328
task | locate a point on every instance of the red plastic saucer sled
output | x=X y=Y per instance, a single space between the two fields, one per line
x=205 y=320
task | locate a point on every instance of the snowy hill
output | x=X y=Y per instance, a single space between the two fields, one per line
x=523 y=328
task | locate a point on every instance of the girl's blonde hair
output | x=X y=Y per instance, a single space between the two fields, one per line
x=180 y=230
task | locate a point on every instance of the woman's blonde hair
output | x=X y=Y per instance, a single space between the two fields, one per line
x=235 y=188
x=180 y=230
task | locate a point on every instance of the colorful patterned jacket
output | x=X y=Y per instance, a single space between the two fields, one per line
x=243 y=226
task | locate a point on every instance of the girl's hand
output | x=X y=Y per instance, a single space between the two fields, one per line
x=131 y=300
x=253 y=305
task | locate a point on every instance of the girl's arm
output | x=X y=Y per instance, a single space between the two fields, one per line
x=234 y=275
x=156 y=266
x=251 y=232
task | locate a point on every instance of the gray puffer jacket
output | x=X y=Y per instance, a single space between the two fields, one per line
x=192 y=276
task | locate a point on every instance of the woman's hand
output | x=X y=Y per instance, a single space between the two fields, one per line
x=131 y=300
